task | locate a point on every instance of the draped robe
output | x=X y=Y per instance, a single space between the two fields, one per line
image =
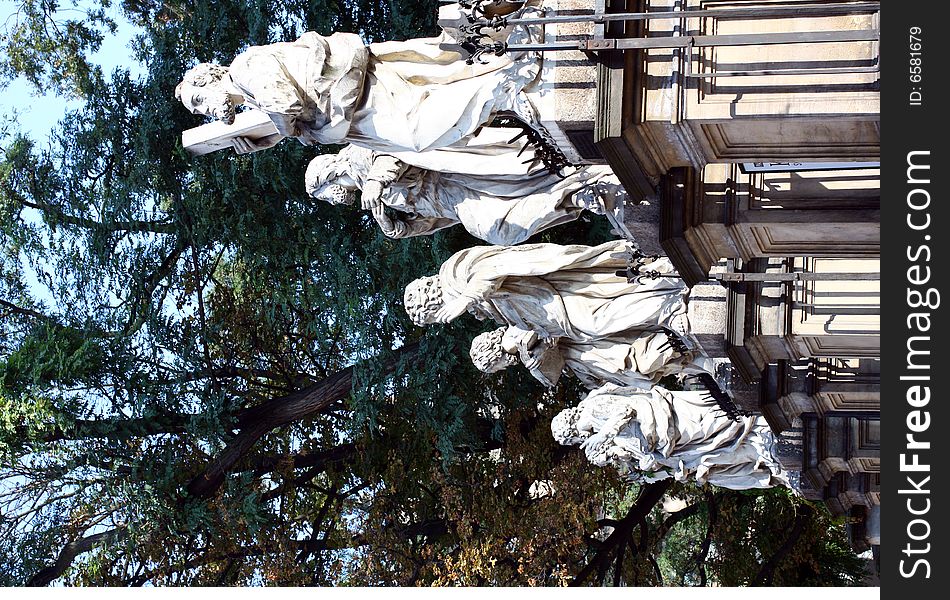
x=657 y=434
x=396 y=97
x=560 y=291
x=500 y=209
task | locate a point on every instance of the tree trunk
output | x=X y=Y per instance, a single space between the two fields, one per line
x=650 y=496
x=767 y=572
x=254 y=423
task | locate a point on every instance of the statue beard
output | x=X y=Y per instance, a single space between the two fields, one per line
x=224 y=110
x=564 y=428
x=501 y=362
x=335 y=194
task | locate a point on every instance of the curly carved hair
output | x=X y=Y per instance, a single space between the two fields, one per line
x=201 y=75
x=423 y=298
x=487 y=353
x=564 y=427
x=322 y=169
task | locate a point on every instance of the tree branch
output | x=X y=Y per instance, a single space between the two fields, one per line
x=255 y=422
x=57 y=213
x=672 y=520
x=767 y=571
x=650 y=495
x=703 y=553
x=18 y=310
x=69 y=553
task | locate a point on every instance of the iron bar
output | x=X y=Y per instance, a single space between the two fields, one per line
x=746 y=39
x=801 y=71
x=778 y=277
x=775 y=11
x=839 y=309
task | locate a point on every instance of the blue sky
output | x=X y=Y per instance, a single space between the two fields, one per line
x=38 y=114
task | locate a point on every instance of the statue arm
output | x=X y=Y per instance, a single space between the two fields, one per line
x=384 y=171
x=279 y=97
x=610 y=408
x=414 y=226
x=541 y=357
x=244 y=145
x=398 y=228
x=547 y=366
x=286 y=125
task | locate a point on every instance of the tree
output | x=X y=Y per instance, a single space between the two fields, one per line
x=48 y=45
x=205 y=378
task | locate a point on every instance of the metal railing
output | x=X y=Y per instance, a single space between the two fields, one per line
x=478 y=25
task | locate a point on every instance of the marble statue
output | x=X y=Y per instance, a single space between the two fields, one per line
x=568 y=298
x=658 y=434
x=404 y=96
x=500 y=209
x=557 y=291
x=640 y=363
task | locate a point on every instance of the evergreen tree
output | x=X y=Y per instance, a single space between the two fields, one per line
x=208 y=378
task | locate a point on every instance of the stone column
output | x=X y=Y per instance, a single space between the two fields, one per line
x=566 y=96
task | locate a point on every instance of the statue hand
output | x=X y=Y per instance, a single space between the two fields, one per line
x=529 y=339
x=370 y=198
x=452 y=310
x=385 y=169
x=391 y=229
x=530 y=362
x=594 y=445
x=243 y=145
x=384 y=222
x=530 y=357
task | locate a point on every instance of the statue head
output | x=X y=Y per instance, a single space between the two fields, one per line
x=564 y=427
x=423 y=299
x=206 y=90
x=488 y=354
x=328 y=179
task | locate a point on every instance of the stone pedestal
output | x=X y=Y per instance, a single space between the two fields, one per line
x=793 y=320
x=643 y=222
x=724 y=212
x=706 y=311
x=566 y=96
x=790 y=450
x=707 y=315
x=744 y=103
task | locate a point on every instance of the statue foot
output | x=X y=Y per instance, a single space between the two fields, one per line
x=679 y=324
x=614 y=211
x=546 y=150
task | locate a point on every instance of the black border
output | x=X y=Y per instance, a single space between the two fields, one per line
x=907 y=128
